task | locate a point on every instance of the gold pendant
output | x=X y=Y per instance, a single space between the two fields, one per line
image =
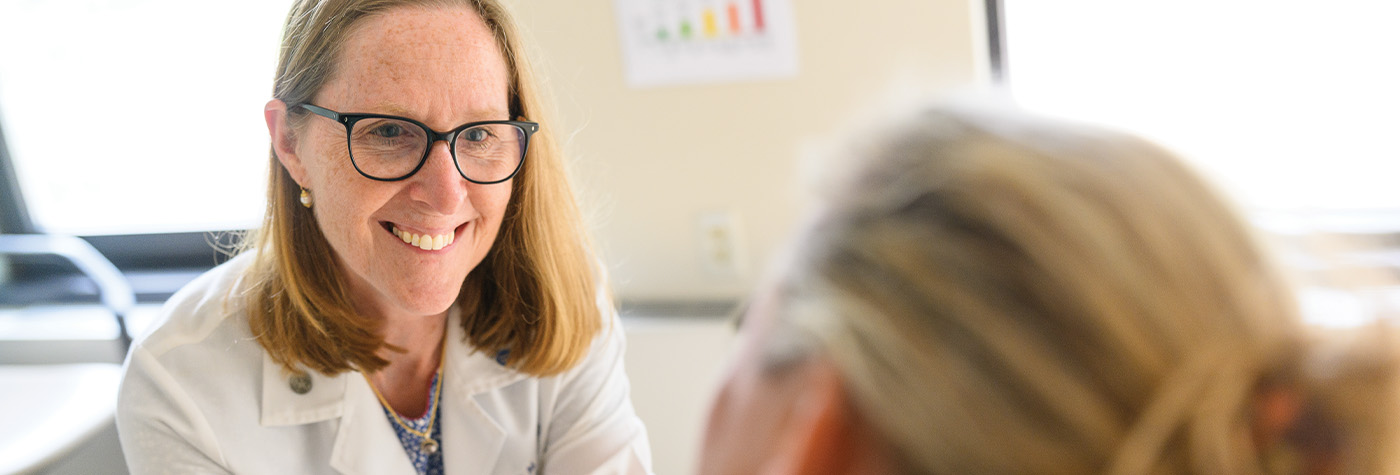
x=430 y=446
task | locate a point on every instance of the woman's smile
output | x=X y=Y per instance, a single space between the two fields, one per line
x=426 y=240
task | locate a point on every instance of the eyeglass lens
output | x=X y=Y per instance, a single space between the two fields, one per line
x=390 y=149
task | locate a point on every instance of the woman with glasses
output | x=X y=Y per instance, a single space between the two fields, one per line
x=984 y=292
x=421 y=298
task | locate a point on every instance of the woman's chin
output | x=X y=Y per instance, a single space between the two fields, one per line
x=430 y=303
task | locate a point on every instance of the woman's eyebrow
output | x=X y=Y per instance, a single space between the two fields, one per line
x=394 y=108
x=387 y=108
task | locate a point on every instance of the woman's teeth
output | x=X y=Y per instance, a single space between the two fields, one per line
x=424 y=241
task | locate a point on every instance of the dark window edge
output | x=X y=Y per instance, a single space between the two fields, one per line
x=996 y=40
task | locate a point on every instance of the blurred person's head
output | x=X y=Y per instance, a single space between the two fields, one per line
x=987 y=292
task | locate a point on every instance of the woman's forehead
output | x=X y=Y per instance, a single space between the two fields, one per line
x=425 y=33
x=422 y=62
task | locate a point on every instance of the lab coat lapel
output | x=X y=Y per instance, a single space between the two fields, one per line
x=471 y=437
x=365 y=443
x=321 y=398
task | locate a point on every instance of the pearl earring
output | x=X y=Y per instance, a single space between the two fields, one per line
x=306 y=198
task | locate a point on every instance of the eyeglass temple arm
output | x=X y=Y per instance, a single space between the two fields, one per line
x=322 y=111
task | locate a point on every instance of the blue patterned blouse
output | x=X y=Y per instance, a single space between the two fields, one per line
x=424 y=462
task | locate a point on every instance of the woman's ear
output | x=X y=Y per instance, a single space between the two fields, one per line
x=284 y=139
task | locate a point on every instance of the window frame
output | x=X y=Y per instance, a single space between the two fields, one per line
x=996 y=40
x=14 y=214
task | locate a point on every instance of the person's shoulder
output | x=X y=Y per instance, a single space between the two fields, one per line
x=193 y=376
x=208 y=305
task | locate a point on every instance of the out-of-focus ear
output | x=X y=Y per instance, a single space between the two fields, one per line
x=1276 y=411
x=1290 y=430
x=283 y=139
x=824 y=435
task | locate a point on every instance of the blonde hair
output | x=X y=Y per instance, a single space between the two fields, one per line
x=534 y=294
x=1006 y=294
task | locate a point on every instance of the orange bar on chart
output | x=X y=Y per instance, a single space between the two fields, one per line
x=734 y=26
x=710 y=24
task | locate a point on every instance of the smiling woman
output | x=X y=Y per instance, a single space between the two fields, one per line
x=416 y=299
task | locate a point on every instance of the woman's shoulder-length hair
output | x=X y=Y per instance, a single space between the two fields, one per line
x=535 y=293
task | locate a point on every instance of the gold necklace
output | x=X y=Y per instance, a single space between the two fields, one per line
x=429 y=445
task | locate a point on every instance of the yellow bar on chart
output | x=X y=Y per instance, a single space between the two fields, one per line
x=711 y=25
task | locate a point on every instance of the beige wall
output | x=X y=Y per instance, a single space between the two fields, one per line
x=651 y=162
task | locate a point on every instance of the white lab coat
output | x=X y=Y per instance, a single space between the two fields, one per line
x=200 y=395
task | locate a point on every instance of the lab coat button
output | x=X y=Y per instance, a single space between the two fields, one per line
x=300 y=383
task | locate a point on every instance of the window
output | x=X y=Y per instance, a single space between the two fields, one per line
x=1293 y=107
x=138 y=116
x=136 y=124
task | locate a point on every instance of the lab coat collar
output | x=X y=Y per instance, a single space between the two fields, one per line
x=366 y=443
x=474 y=437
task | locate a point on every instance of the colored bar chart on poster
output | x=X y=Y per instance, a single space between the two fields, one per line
x=673 y=42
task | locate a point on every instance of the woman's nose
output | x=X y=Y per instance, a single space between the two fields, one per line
x=438 y=184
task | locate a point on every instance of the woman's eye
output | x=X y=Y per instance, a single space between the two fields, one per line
x=388 y=131
x=476 y=134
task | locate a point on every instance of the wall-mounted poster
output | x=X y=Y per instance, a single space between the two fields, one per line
x=667 y=42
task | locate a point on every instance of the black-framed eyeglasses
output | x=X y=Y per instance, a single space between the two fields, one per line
x=391 y=148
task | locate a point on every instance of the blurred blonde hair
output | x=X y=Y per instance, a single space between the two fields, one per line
x=534 y=293
x=1006 y=294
